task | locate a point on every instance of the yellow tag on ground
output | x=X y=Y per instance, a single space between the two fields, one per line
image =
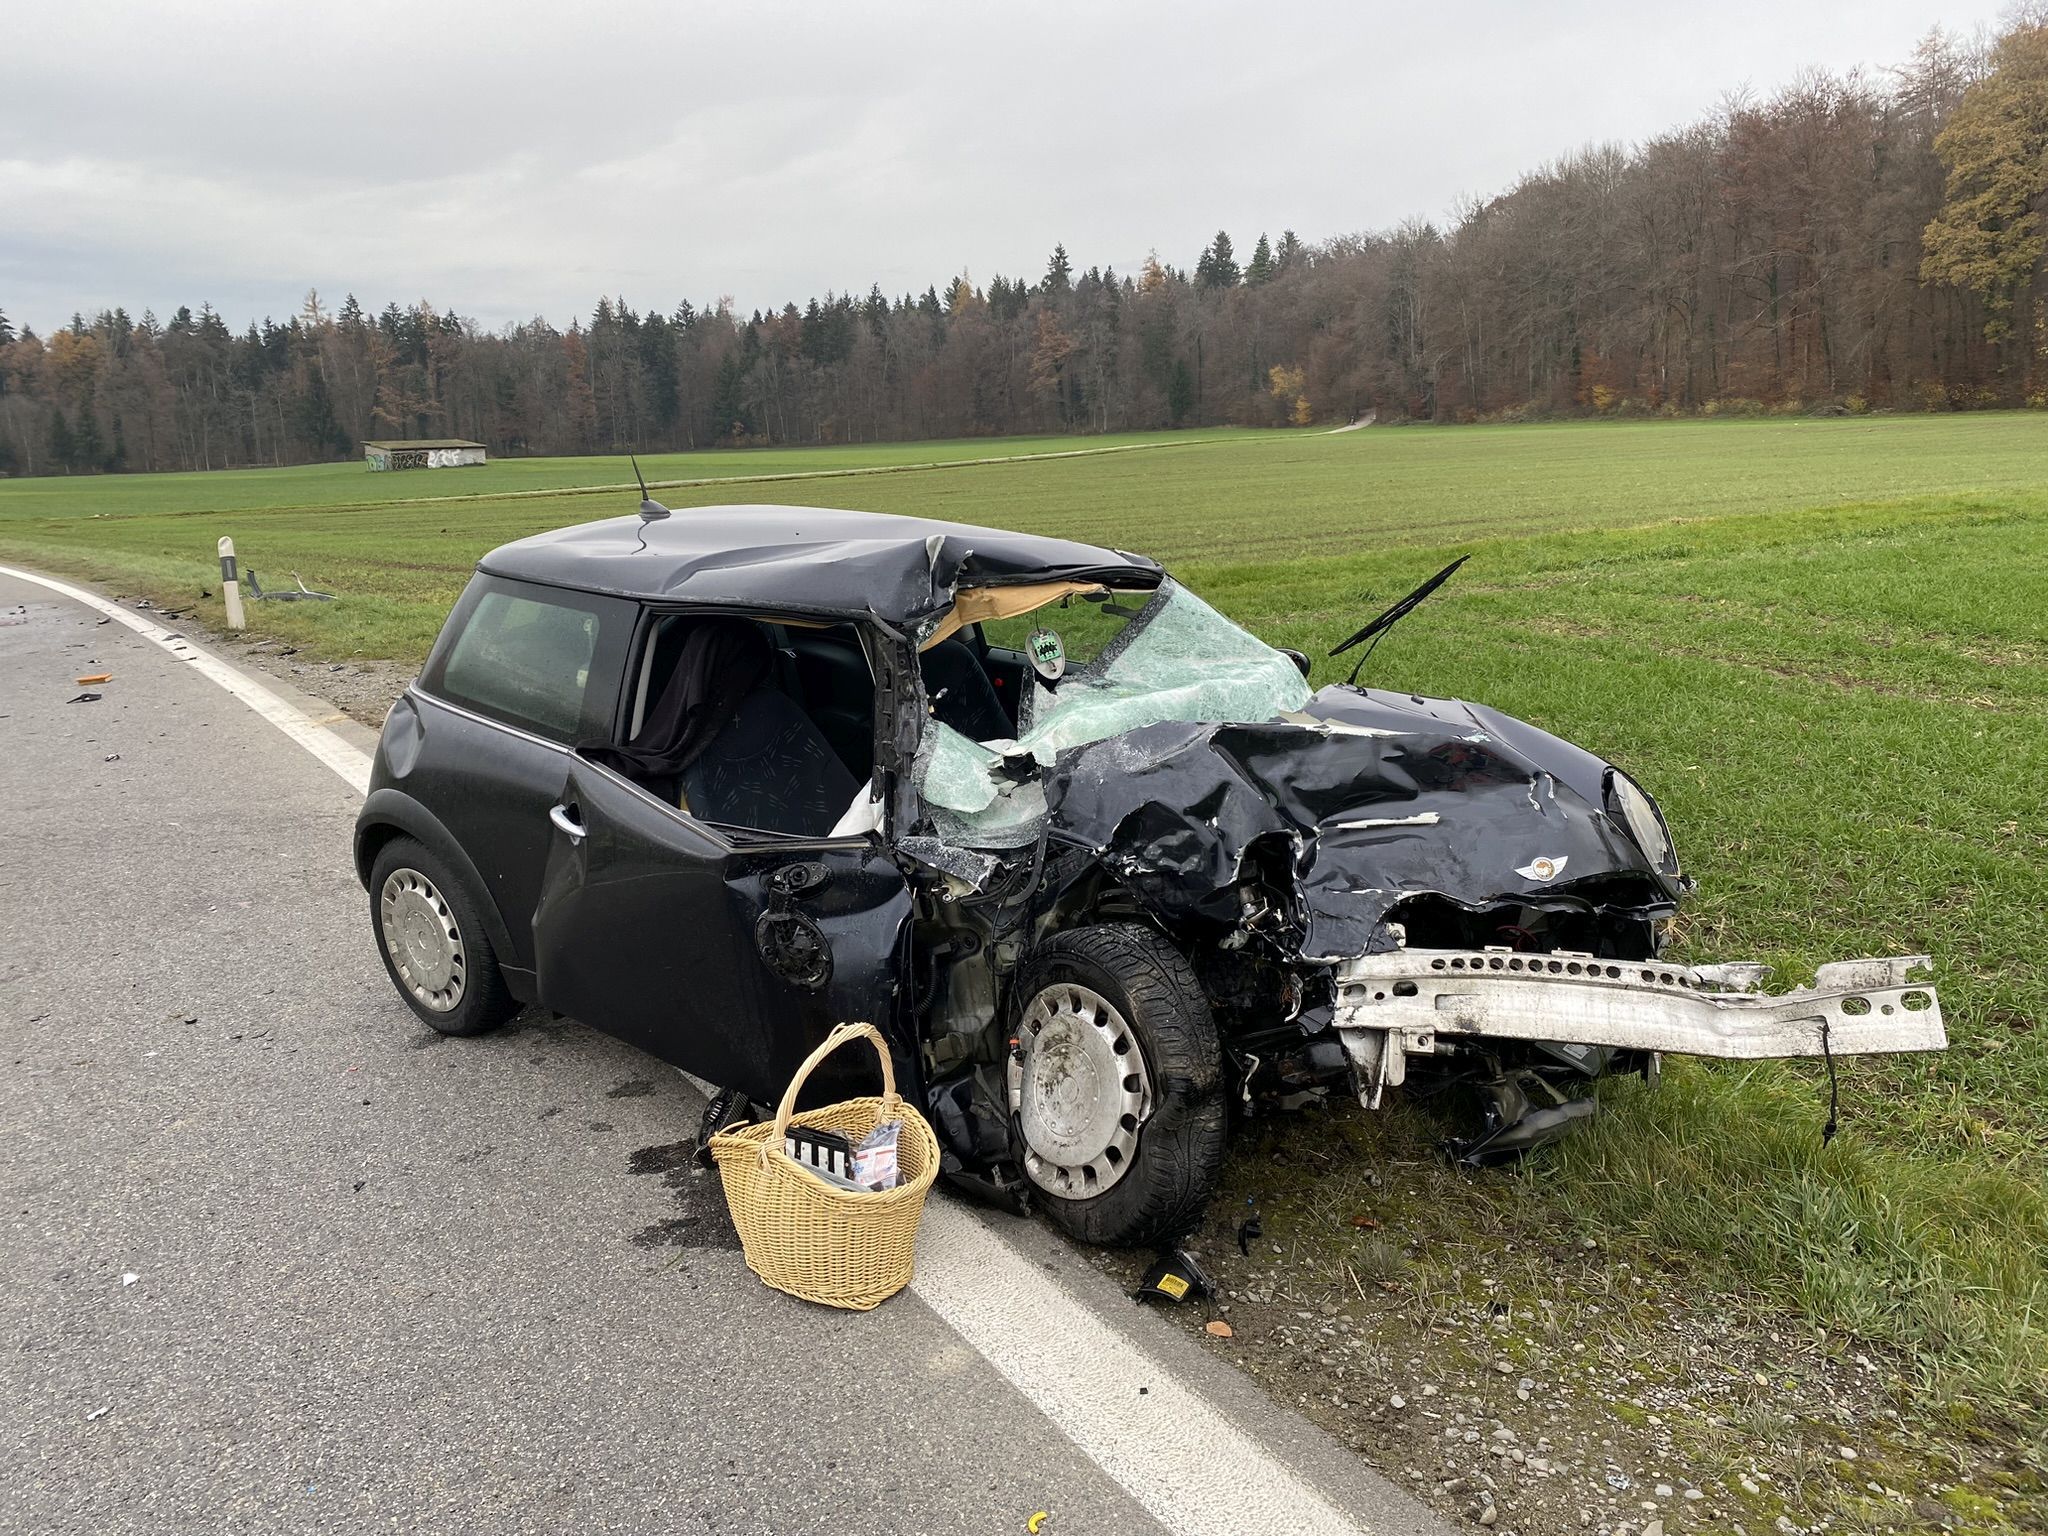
x=1174 y=1286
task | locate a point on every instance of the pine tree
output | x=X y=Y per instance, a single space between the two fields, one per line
x=88 y=449
x=61 y=446
x=6 y=329
x=728 y=400
x=1217 y=266
x=1059 y=273
x=1289 y=253
x=1180 y=392
x=1261 y=269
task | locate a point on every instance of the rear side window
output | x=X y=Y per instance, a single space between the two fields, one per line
x=535 y=657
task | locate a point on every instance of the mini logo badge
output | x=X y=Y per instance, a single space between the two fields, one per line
x=1544 y=870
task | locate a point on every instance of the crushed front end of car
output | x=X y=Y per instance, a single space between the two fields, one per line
x=1369 y=888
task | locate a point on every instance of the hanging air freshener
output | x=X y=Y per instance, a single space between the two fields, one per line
x=1048 y=655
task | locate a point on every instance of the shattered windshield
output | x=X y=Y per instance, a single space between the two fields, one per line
x=1175 y=659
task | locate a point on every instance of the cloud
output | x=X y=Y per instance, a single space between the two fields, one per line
x=510 y=159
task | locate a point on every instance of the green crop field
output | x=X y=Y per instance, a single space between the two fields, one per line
x=1823 y=644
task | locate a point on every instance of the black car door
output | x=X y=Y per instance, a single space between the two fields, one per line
x=725 y=955
x=520 y=672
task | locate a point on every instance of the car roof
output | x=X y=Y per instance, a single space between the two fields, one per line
x=804 y=560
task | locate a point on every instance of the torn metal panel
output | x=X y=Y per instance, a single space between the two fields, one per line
x=1373 y=817
x=1422 y=997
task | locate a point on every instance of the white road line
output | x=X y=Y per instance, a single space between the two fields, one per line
x=352 y=764
x=1171 y=1449
x=1185 y=1460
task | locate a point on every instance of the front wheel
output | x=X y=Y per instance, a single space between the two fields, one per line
x=1115 y=1085
x=433 y=942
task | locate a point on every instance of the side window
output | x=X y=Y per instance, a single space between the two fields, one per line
x=535 y=657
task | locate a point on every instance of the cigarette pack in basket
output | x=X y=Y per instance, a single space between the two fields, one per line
x=842 y=1247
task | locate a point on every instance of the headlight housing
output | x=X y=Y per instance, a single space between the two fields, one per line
x=1630 y=804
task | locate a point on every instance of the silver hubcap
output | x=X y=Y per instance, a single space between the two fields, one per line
x=1079 y=1089
x=422 y=939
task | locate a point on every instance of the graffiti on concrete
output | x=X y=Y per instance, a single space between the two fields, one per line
x=422 y=458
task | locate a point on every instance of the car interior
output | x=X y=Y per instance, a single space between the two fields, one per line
x=769 y=726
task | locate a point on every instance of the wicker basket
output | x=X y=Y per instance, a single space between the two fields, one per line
x=842 y=1247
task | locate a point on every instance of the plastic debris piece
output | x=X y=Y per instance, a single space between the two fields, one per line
x=95 y=677
x=1366 y=1223
x=1036 y=1522
x=100 y=1412
x=129 y=1277
x=86 y=698
x=1220 y=1329
x=874 y=1160
x=111 y=757
x=1249 y=1231
x=1175 y=1277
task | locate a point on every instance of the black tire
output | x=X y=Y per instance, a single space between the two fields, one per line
x=1179 y=1158
x=483 y=1001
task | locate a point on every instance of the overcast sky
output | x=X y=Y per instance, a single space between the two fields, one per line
x=512 y=158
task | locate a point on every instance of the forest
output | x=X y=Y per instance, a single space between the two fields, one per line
x=1851 y=243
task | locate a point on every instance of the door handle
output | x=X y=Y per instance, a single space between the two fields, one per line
x=562 y=817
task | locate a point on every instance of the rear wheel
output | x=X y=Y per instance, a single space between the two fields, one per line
x=1115 y=1085
x=433 y=942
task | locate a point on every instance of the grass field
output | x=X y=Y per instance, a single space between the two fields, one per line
x=1823 y=644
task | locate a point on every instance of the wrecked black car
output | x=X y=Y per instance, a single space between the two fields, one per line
x=1101 y=864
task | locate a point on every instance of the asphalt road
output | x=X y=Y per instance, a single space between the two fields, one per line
x=276 y=1257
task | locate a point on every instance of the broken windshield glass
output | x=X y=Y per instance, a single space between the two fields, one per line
x=1179 y=660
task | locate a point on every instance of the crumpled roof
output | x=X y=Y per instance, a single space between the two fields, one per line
x=804 y=560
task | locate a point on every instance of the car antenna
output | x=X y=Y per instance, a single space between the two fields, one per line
x=651 y=511
x=1392 y=616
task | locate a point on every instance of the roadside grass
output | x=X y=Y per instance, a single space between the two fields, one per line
x=1820 y=643
x=1846 y=718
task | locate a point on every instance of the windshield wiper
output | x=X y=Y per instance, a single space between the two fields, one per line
x=1394 y=615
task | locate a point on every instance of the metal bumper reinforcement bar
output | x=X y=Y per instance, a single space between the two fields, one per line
x=1402 y=1002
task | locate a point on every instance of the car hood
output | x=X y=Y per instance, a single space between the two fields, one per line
x=1370 y=797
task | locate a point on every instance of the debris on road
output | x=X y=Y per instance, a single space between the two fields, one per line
x=100 y=1412
x=91 y=678
x=1175 y=1277
x=303 y=595
x=1219 y=1329
x=86 y=698
x=129 y=1277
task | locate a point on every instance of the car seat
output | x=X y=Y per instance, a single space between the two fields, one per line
x=960 y=693
x=722 y=741
x=770 y=768
x=837 y=691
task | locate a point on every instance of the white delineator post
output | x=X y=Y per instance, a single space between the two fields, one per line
x=230 y=583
